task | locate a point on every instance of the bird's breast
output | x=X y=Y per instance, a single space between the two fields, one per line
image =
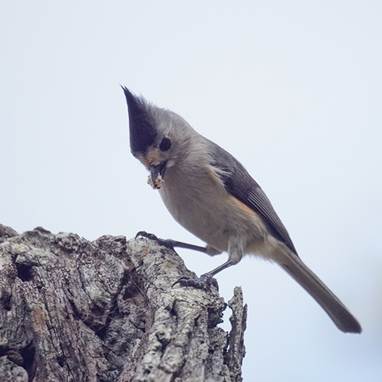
x=199 y=202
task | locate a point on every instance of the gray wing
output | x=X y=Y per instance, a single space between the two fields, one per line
x=240 y=184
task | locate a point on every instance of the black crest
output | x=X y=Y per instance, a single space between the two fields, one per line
x=142 y=131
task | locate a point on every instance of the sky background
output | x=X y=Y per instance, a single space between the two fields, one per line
x=291 y=88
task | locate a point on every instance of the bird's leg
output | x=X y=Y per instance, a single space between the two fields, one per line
x=173 y=243
x=218 y=269
x=235 y=251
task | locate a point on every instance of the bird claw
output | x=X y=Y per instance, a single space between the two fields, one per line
x=147 y=235
x=204 y=282
x=151 y=236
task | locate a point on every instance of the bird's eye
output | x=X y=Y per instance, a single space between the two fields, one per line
x=165 y=144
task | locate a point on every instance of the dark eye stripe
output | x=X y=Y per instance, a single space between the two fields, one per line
x=165 y=144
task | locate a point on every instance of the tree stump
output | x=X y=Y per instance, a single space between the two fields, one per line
x=107 y=310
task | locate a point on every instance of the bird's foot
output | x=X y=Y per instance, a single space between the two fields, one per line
x=166 y=243
x=204 y=282
x=147 y=235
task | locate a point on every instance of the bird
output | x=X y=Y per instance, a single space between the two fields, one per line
x=214 y=197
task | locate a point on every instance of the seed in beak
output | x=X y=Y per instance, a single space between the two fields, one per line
x=157 y=173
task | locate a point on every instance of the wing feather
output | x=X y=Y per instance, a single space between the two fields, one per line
x=239 y=183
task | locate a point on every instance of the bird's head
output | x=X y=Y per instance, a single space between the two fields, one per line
x=158 y=137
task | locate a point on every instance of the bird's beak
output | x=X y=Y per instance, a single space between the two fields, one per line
x=157 y=174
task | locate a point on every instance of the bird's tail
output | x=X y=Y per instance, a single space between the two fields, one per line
x=336 y=310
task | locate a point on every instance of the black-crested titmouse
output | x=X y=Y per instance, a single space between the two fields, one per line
x=212 y=195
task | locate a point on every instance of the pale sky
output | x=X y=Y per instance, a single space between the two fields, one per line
x=291 y=88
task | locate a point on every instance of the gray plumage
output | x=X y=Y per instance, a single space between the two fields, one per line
x=240 y=184
x=212 y=195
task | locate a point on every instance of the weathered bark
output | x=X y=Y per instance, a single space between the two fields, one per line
x=107 y=310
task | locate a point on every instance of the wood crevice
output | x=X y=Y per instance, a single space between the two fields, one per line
x=107 y=310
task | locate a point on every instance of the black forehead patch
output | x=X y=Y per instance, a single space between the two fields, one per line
x=142 y=131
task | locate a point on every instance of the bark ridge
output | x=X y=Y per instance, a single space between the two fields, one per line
x=106 y=310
